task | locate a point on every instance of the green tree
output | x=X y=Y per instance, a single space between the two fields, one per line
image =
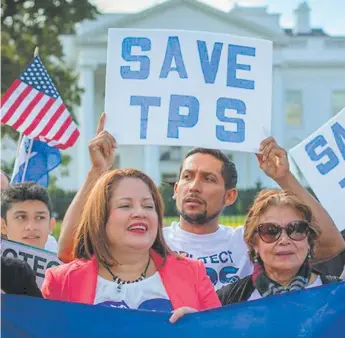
x=30 y=23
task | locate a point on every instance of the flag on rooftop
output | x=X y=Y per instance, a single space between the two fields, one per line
x=33 y=106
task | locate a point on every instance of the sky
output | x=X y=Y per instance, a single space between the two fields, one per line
x=326 y=14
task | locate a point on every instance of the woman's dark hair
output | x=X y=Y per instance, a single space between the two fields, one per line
x=91 y=236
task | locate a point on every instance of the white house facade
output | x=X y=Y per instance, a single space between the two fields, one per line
x=308 y=80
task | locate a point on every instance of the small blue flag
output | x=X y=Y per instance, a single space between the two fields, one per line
x=40 y=158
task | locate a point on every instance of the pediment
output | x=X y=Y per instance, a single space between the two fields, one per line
x=184 y=15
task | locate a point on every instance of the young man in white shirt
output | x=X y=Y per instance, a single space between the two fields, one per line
x=206 y=185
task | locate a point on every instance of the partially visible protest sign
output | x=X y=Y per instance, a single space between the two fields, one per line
x=313 y=313
x=38 y=259
x=184 y=88
x=321 y=159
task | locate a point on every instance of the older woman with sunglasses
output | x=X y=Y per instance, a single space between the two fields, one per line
x=280 y=237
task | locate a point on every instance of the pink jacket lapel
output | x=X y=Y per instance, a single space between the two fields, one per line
x=173 y=278
x=83 y=289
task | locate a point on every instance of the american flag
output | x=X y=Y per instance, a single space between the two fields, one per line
x=33 y=106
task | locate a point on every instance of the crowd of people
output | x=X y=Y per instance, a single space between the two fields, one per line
x=117 y=253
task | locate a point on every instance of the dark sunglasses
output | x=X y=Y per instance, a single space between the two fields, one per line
x=271 y=232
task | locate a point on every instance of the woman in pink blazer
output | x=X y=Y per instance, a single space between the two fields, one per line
x=122 y=259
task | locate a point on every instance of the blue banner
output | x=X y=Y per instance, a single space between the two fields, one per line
x=317 y=312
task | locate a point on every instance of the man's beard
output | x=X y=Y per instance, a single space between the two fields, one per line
x=199 y=219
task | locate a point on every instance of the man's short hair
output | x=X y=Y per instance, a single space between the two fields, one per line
x=22 y=192
x=229 y=172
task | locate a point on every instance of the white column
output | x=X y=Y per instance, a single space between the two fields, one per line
x=152 y=163
x=86 y=119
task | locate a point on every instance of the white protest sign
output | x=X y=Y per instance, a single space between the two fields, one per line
x=37 y=258
x=321 y=158
x=168 y=87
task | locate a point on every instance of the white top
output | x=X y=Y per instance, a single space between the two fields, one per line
x=256 y=294
x=148 y=294
x=51 y=244
x=224 y=252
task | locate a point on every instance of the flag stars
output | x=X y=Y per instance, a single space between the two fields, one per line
x=37 y=77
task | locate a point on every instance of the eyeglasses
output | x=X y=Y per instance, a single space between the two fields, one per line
x=271 y=232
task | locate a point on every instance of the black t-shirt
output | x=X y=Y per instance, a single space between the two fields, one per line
x=18 y=278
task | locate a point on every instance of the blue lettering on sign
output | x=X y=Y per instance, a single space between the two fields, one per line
x=173 y=51
x=209 y=67
x=144 y=71
x=176 y=120
x=223 y=135
x=339 y=136
x=342 y=183
x=145 y=102
x=319 y=142
x=232 y=80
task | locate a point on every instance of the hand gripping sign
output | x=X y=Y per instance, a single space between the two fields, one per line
x=321 y=158
x=186 y=88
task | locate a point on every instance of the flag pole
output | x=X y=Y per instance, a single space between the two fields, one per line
x=31 y=140
x=18 y=144
x=27 y=160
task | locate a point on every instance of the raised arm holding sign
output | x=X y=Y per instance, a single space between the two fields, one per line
x=274 y=162
x=321 y=158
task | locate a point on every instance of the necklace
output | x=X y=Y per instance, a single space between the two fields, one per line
x=120 y=282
